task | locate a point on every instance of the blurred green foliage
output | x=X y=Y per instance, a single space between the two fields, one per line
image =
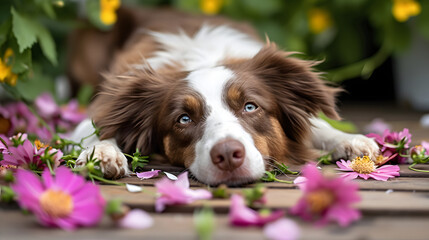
x=352 y=37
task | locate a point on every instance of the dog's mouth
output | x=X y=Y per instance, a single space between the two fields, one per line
x=237 y=177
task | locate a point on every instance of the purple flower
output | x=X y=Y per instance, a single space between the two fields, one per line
x=326 y=199
x=136 y=219
x=66 y=200
x=241 y=215
x=282 y=229
x=177 y=192
x=148 y=174
x=393 y=142
x=366 y=168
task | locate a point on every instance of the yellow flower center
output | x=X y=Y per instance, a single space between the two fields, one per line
x=108 y=11
x=211 y=7
x=56 y=203
x=39 y=144
x=5 y=125
x=319 y=20
x=402 y=10
x=320 y=200
x=363 y=165
x=6 y=74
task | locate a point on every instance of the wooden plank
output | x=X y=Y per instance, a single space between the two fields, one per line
x=396 y=184
x=373 y=202
x=14 y=225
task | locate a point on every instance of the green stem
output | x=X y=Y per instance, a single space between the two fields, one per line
x=411 y=167
x=283 y=181
x=105 y=180
x=362 y=68
x=48 y=163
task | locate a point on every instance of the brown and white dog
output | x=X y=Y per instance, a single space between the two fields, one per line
x=207 y=94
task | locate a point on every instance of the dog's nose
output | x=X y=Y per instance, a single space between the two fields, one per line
x=228 y=154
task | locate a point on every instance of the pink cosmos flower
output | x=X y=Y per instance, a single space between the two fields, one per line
x=177 y=192
x=66 y=200
x=377 y=126
x=393 y=142
x=136 y=219
x=148 y=174
x=29 y=157
x=63 y=117
x=326 y=199
x=366 y=168
x=241 y=215
x=283 y=229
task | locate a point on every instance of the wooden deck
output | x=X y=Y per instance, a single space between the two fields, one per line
x=396 y=209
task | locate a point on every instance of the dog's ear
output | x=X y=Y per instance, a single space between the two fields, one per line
x=299 y=91
x=126 y=108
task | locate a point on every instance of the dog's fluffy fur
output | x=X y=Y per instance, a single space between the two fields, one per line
x=181 y=86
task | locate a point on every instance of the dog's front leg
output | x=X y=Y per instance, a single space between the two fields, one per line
x=113 y=163
x=342 y=145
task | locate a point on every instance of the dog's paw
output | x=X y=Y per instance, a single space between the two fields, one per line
x=355 y=145
x=113 y=163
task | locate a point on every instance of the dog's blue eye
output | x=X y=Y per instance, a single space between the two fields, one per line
x=250 y=107
x=184 y=119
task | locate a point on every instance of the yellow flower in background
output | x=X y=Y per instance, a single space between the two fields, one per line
x=402 y=10
x=6 y=74
x=211 y=7
x=319 y=20
x=108 y=11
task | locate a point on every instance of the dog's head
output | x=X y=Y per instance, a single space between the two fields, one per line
x=227 y=123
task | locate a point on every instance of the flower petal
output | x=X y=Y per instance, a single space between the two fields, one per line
x=148 y=174
x=174 y=178
x=133 y=188
x=282 y=229
x=136 y=219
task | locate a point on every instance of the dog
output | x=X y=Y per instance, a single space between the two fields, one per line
x=208 y=94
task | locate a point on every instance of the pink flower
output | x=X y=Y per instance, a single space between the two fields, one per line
x=29 y=157
x=241 y=215
x=136 y=219
x=377 y=126
x=326 y=199
x=283 y=229
x=66 y=200
x=63 y=117
x=393 y=142
x=177 y=192
x=366 y=168
x=148 y=174
x=46 y=106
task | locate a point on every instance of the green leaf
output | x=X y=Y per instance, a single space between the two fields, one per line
x=4 y=31
x=47 y=44
x=93 y=13
x=47 y=6
x=27 y=31
x=24 y=29
x=85 y=94
x=423 y=19
x=22 y=61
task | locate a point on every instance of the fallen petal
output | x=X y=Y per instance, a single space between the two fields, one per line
x=148 y=174
x=136 y=219
x=133 y=188
x=282 y=229
x=170 y=176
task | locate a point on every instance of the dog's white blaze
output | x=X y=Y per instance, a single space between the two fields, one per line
x=207 y=48
x=221 y=123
